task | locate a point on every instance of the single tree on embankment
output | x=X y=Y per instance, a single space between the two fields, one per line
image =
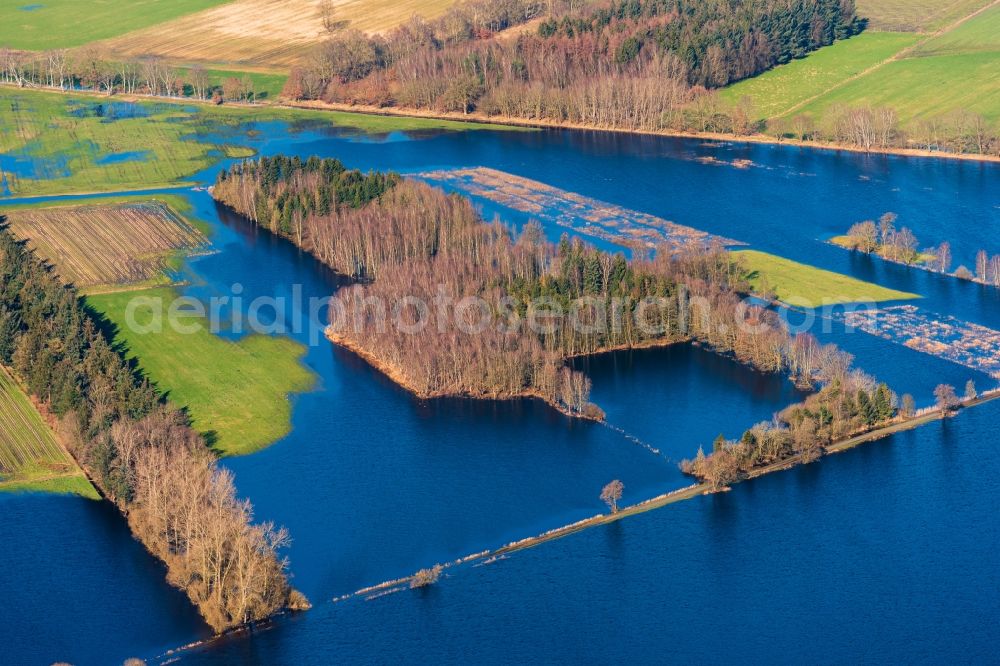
x=141 y=453
x=502 y=312
x=612 y=493
x=947 y=398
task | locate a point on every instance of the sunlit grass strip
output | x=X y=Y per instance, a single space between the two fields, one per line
x=237 y=392
x=30 y=457
x=53 y=24
x=807 y=286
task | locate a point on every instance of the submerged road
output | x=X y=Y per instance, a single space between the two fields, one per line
x=678 y=495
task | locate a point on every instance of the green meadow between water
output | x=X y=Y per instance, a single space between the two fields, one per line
x=807 y=286
x=30 y=457
x=50 y=24
x=235 y=392
x=56 y=142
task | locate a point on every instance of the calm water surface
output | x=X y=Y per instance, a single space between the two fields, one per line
x=867 y=556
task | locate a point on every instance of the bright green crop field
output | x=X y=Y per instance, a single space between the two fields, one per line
x=977 y=35
x=48 y=24
x=925 y=87
x=920 y=76
x=30 y=457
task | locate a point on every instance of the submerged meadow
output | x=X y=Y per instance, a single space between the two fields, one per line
x=375 y=484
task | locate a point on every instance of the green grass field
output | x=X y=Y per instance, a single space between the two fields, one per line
x=238 y=391
x=924 y=87
x=62 y=152
x=50 y=24
x=807 y=286
x=266 y=86
x=978 y=35
x=957 y=70
x=30 y=457
x=916 y=15
x=776 y=91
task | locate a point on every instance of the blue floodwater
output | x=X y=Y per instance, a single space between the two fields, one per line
x=76 y=587
x=111 y=111
x=866 y=556
x=886 y=554
x=127 y=156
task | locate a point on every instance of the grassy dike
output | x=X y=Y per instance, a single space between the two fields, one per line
x=235 y=392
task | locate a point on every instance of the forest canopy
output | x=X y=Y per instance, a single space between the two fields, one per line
x=630 y=63
x=509 y=308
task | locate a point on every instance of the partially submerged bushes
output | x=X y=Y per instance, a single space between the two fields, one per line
x=426 y=577
x=850 y=402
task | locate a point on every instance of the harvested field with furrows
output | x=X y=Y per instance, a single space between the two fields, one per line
x=30 y=457
x=266 y=33
x=106 y=245
x=915 y=15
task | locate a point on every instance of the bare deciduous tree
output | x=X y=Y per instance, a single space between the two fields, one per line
x=611 y=494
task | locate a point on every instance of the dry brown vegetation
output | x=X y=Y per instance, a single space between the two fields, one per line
x=266 y=33
x=583 y=215
x=503 y=312
x=106 y=244
x=850 y=403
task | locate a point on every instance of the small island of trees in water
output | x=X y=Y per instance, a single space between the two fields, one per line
x=408 y=245
x=900 y=246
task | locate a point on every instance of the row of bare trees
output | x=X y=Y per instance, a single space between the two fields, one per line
x=95 y=69
x=451 y=305
x=141 y=453
x=879 y=128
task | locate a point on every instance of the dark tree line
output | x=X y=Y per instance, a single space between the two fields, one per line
x=544 y=302
x=141 y=453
